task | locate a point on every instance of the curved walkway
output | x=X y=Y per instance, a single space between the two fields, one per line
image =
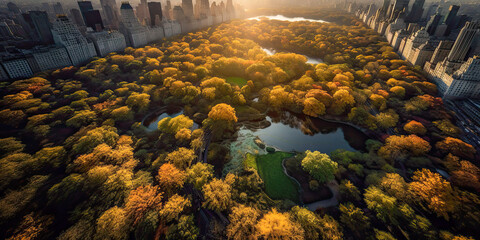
x=332 y=185
x=333 y=201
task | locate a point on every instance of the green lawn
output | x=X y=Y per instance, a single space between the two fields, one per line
x=277 y=184
x=237 y=81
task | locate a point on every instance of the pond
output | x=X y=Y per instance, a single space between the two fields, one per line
x=289 y=132
x=293 y=132
x=311 y=60
x=151 y=121
x=289 y=19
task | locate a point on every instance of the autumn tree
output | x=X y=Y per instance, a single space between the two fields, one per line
x=172 y=209
x=218 y=195
x=414 y=127
x=142 y=200
x=435 y=191
x=313 y=107
x=310 y=223
x=174 y=125
x=242 y=223
x=401 y=147
x=354 y=219
x=139 y=102
x=220 y=118
x=184 y=229
x=319 y=166
x=277 y=225
x=170 y=178
x=383 y=205
x=395 y=185
x=112 y=224
x=181 y=158
x=199 y=174
x=456 y=147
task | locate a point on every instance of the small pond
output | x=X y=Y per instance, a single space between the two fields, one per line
x=151 y=121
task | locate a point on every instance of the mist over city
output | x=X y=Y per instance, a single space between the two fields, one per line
x=240 y=119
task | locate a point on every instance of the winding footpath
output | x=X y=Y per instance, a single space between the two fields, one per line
x=332 y=185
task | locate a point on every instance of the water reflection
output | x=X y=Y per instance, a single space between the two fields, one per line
x=311 y=60
x=300 y=133
x=283 y=18
x=151 y=122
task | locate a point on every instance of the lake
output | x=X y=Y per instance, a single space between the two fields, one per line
x=311 y=60
x=297 y=132
x=288 y=19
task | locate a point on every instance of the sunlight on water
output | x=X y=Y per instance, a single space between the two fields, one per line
x=311 y=60
x=283 y=18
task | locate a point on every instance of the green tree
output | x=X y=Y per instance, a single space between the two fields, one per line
x=319 y=166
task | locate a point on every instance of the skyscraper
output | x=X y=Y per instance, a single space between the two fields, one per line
x=449 y=19
x=93 y=19
x=187 y=6
x=38 y=22
x=110 y=10
x=230 y=9
x=142 y=11
x=178 y=14
x=58 y=9
x=13 y=8
x=398 y=7
x=433 y=23
x=85 y=6
x=417 y=11
x=155 y=10
x=77 y=17
x=464 y=41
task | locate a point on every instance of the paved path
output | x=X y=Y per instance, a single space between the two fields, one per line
x=333 y=201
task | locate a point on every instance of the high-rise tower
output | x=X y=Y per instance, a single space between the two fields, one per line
x=38 y=22
x=187 y=6
x=464 y=41
x=417 y=11
x=85 y=6
x=110 y=10
x=155 y=10
x=449 y=19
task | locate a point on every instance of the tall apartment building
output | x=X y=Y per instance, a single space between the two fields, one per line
x=17 y=68
x=463 y=42
x=51 y=58
x=465 y=82
x=107 y=42
x=66 y=34
x=135 y=33
x=3 y=74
